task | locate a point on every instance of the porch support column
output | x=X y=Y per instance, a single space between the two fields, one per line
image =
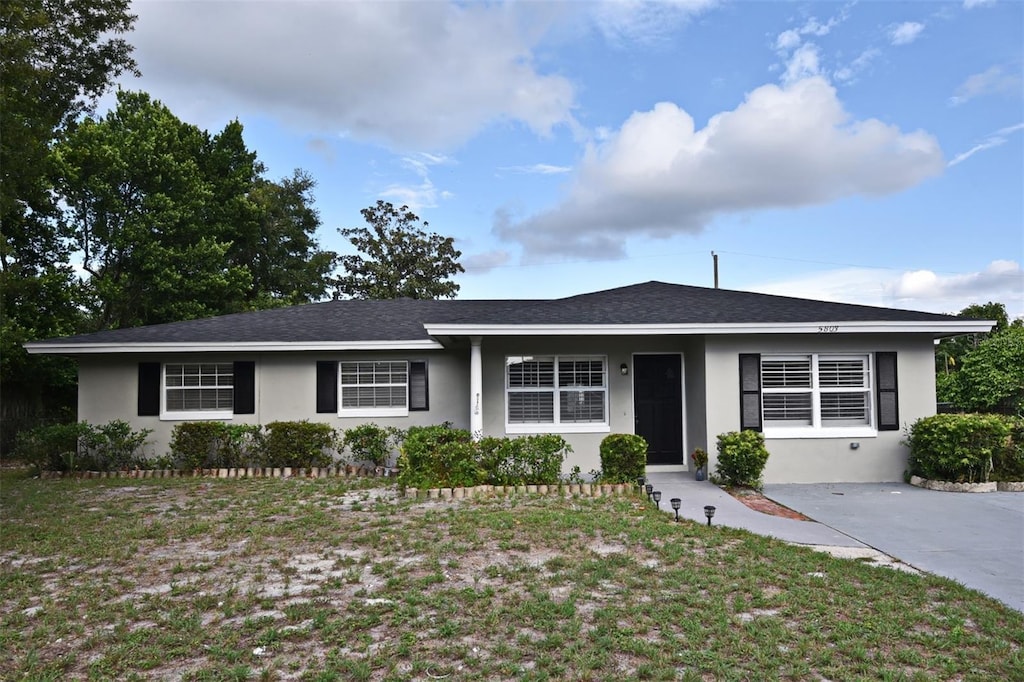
x=476 y=386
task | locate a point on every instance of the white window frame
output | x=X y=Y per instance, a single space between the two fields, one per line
x=343 y=411
x=167 y=414
x=818 y=429
x=557 y=425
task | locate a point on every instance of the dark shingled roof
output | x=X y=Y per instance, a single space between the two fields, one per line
x=404 y=319
x=661 y=303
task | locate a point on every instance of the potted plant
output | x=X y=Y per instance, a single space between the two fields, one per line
x=700 y=462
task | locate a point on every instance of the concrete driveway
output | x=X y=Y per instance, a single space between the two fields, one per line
x=974 y=538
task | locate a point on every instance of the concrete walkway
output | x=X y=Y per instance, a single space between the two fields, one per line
x=976 y=539
x=731 y=512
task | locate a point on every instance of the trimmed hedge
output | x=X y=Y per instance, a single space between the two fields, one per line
x=623 y=458
x=215 y=444
x=967 y=448
x=443 y=457
x=298 y=444
x=741 y=459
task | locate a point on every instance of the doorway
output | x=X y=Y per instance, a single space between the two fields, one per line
x=658 y=406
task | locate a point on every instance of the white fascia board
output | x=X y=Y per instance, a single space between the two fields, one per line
x=247 y=347
x=945 y=328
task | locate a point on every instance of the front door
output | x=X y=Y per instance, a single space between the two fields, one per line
x=658 y=406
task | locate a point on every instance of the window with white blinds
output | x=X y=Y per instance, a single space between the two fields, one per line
x=816 y=390
x=556 y=391
x=199 y=387
x=379 y=387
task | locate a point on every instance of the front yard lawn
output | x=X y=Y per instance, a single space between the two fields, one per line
x=332 y=579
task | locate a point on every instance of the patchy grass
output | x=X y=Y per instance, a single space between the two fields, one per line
x=328 y=579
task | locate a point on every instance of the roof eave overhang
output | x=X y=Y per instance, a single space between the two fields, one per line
x=938 y=328
x=72 y=348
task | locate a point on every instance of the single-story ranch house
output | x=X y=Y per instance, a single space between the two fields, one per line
x=830 y=385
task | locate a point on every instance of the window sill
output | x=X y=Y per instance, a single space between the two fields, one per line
x=196 y=416
x=375 y=412
x=556 y=428
x=809 y=432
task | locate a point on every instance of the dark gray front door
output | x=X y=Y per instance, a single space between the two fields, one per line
x=658 y=402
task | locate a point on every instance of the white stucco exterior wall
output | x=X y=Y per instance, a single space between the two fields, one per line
x=812 y=460
x=285 y=390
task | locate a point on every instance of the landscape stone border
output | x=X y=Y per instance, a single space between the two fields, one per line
x=950 y=487
x=348 y=471
x=566 y=490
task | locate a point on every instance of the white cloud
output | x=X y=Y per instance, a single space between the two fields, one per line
x=484 y=262
x=783 y=147
x=905 y=33
x=803 y=64
x=994 y=140
x=788 y=40
x=1001 y=281
x=538 y=169
x=791 y=38
x=1000 y=278
x=850 y=72
x=624 y=22
x=420 y=75
x=423 y=194
x=992 y=81
x=971 y=4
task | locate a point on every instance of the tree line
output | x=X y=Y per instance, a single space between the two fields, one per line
x=983 y=372
x=136 y=217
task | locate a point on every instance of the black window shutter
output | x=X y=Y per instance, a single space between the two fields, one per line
x=245 y=387
x=149 y=389
x=750 y=391
x=419 y=396
x=886 y=392
x=326 y=387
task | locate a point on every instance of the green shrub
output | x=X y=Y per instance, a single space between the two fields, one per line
x=81 y=446
x=741 y=458
x=194 y=445
x=112 y=446
x=623 y=457
x=539 y=458
x=239 y=446
x=50 y=448
x=438 y=456
x=297 y=444
x=528 y=460
x=960 y=447
x=369 y=442
x=1008 y=463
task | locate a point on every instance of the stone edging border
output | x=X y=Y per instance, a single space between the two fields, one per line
x=240 y=472
x=567 y=490
x=950 y=487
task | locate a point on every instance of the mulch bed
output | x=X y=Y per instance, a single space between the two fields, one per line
x=760 y=503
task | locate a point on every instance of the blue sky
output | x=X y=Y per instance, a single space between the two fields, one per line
x=867 y=152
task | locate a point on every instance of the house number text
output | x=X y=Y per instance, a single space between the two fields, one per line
x=828 y=328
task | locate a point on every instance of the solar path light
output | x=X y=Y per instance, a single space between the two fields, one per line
x=676 y=504
x=709 y=511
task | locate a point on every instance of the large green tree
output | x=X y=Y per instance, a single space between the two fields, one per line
x=398 y=258
x=139 y=207
x=992 y=375
x=174 y=223
x=983 y=371
x=56 y=58
x=949 y=353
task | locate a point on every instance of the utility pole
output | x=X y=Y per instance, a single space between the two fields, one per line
x=714 y=257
